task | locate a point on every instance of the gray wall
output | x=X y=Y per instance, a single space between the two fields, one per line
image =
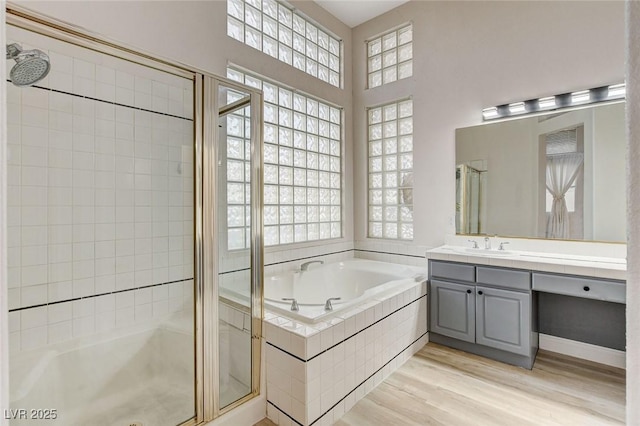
x=469 y=56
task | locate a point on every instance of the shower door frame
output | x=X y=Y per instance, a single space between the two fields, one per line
x=210 y=200
x=206 y=139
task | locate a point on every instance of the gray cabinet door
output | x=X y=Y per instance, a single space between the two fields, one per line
x=503 y=319
x=453 y=310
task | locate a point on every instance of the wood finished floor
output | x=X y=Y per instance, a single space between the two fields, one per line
x=443 y=386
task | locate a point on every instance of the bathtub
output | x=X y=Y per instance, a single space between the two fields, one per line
x=353 y=281
x=145 y=376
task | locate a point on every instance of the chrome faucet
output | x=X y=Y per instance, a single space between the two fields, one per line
x=475 y=244
x=328 y=306
x=487 y=243
x=502 y=244
x=305 y=265
x=294 y=303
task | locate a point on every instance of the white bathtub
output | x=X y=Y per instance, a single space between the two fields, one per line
x=145 y=376
x=353 y=281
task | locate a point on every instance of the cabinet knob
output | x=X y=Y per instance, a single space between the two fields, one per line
x=480 y=292
x=586 y=288
x=468 y=291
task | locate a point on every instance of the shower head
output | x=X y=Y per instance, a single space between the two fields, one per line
x=31 y=65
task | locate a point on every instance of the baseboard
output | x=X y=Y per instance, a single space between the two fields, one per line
x=602 y=355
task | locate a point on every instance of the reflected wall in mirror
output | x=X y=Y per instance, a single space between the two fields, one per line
x=559 y=176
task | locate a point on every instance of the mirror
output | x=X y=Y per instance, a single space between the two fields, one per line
x=559 y=176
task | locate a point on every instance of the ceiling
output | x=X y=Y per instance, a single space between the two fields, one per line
x=355 y=12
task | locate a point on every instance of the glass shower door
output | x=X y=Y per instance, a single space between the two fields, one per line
x=100 y=207
x=239 y=245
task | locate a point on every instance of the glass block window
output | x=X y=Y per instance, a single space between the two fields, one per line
x=390 y=57
x=278 y=31
x=238 y=171
x=391 y=170
x=302 y=164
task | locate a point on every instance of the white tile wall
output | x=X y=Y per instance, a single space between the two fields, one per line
x=100 y=195
x=319 y=371
x=37 y=327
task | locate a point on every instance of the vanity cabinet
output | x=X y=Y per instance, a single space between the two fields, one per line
x=582 y=309
x=503 y=319
x=453 y=310
x=588 y=288
x=484 y=310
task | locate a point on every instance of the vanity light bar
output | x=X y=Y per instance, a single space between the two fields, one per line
x=517 y=108
x=489 y=113
x=613 y=92
x=617 y=91
x=581 y=97
x=547 y=103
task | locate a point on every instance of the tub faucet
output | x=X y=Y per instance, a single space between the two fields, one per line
x=305 y=265
x=294 y=303
x=328 y=306
x=487 y=243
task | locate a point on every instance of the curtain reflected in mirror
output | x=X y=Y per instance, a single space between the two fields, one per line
x=564 y=183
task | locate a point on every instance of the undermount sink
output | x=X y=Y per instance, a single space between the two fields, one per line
x=483 y=252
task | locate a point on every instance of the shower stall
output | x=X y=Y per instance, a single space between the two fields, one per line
x=470 y=203
x=119 y=205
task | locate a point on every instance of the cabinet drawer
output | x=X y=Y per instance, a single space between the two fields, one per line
x=608 y=290
x=453 y=271
x=507 y=278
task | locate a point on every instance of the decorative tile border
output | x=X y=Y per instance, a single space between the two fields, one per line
x=38 y=326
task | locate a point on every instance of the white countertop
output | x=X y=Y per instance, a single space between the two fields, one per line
x=602 y=267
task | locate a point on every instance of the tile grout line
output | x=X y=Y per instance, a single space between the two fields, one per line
x=98 y=295
x=392 y=254
x=283 y=412
x=186 y=279
x=107 y=102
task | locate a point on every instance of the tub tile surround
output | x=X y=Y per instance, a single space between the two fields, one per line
x=279 y=261
x=317 y=372
x=390 y=251
x=602 y=260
